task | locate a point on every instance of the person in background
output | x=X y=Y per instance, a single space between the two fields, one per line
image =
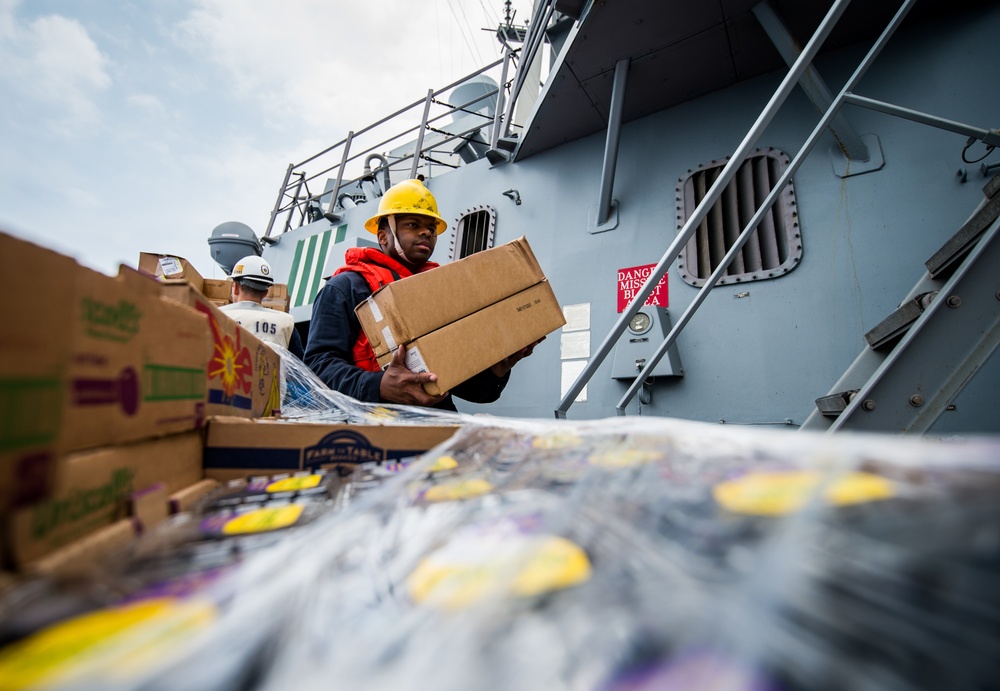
x=338 y=352
x=251 y=281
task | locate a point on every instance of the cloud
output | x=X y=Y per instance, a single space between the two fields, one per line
x=147 y=102
x=335 y=65
x=54 y=61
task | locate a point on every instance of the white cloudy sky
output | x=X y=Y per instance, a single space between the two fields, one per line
x=140 y=125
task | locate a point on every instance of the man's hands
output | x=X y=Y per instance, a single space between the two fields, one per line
x=400 y=385
x=507 y=364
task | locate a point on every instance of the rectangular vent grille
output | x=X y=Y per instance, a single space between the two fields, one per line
x=774 y=248
x=473 y=232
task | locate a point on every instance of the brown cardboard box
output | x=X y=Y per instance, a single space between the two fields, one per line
x=137 y=368
x=183 y=499
x=89 y=360
x=79 y=557
x=217 y=289
x=218 y=292
x=472 y=344
x=417 y=305
x=169 y=267
x=33 y=360
x=244 y=374
x=91 y=491
x=236 y=448
x=277 y=297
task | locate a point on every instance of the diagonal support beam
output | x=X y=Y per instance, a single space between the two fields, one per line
x=711 y=197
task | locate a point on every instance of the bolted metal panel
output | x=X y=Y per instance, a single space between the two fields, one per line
x=474 y=231
x=772 y=250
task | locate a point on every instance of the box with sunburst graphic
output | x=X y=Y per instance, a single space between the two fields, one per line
x=243 y=373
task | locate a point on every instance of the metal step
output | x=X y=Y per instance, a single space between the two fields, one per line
x=961 y=242
x=937 y=345
x=833 y=405
x=896 y=324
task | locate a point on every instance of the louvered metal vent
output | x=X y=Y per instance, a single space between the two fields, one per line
x=473 y=232
x=774 y=248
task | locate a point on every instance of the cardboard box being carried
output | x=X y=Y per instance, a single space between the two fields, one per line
x=244 y=374
x=89 y=360
x=463 y=317
x=470 y=345
x=405 y=310
x=92 y=489
x=236 y=448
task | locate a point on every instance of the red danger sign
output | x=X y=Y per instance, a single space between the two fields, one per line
x=631 y=279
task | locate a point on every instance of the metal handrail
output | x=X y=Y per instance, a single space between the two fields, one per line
x=287 y=200
x=701 y=211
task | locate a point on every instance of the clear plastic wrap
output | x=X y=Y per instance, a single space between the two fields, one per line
x=620 y=554
x=305 y=398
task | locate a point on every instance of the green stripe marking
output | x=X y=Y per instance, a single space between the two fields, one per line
x=320 y=265
x=293 y=281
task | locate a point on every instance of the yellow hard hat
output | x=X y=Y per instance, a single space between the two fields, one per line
x=407 y=197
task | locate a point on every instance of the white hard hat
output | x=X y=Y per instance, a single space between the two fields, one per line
x=254 y=271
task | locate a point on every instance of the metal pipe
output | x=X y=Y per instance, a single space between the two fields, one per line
x=701 y=211
x=340 y=172
x=387 y=182
x=527 y=56
x=295 y=201
x=811 y=82
x=495 y=133
x=277 y=202
x=768 y=203
x=420 y=135
x=614 y=137
x=991 y=137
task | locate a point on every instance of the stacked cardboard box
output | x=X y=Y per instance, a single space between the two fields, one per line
x=93 y=489
x=89 y=360
x=104 y=386
x=463 y=317
x=218 y=291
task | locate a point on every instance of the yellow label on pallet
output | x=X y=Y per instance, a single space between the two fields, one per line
x=780 y=493
x=467 y=571
x=113 y=643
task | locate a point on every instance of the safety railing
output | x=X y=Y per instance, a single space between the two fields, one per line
x=392 y=137
x=417 y=134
